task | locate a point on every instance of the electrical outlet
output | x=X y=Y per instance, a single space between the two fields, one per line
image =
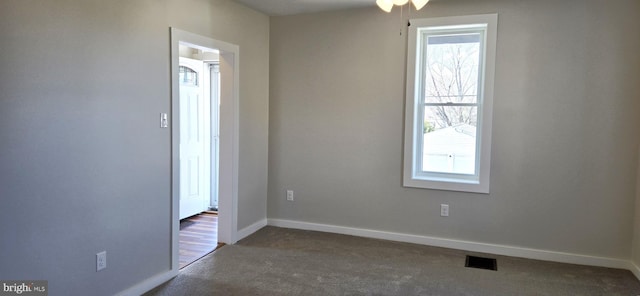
x=290 y=195
x=444 y=210
x=101 y=260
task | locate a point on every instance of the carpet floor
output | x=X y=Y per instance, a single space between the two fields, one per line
x=279 y=261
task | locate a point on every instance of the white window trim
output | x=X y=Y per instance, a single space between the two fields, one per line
x=452 y=182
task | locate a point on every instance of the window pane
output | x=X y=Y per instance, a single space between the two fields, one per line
x=187 y=76
x=449 y=142
x=451 y=68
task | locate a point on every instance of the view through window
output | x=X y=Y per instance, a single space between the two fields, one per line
x=451 y=74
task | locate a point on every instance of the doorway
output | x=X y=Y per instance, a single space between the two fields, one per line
x=199 y=79
x=204 y=132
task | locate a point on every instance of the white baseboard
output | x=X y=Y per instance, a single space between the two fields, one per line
x=244 y=232
x=148 y=284
x=462 y=245
x=634 y=269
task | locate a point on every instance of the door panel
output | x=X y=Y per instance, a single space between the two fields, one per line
x=193 y=183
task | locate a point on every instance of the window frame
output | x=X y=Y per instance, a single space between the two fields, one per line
x=413 y=175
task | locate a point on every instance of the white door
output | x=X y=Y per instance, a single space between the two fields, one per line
x=194 y=181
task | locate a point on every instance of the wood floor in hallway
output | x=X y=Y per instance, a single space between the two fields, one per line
x=198 y=237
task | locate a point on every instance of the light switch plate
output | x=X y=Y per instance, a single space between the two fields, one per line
x=164 y=120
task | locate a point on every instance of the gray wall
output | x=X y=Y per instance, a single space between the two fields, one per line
x=565 y=137
x=84 y=166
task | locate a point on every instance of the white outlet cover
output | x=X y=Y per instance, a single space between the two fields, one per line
x=444 y=210
x=101 y=260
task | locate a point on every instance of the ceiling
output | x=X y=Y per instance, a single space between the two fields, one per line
x=289 y=7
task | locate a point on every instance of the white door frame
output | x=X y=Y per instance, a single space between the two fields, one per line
x=213 y=94
x=229 y=130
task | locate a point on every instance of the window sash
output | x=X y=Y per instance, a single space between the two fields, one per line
x=453 y=163
x=418 y=170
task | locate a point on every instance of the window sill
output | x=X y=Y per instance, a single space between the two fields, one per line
x=448 y=184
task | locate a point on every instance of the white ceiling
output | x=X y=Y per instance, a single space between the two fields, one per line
x=289 y=7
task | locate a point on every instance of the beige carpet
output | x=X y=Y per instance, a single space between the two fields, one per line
x=278 y=261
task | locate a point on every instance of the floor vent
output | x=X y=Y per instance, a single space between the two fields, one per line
x=482 y=263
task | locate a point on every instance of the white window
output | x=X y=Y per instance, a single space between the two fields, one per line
x=450 y=73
